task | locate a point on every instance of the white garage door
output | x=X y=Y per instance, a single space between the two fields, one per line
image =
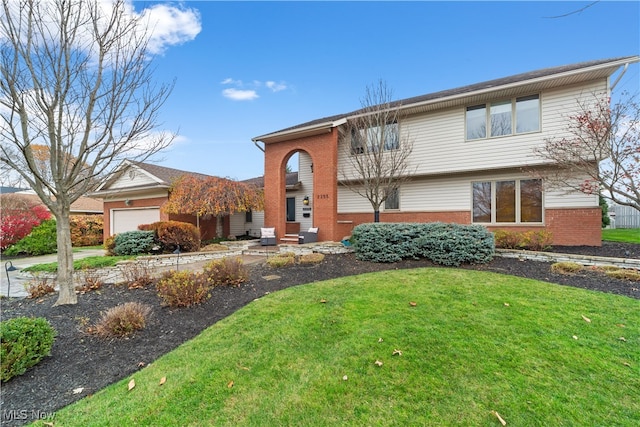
x=129 y=219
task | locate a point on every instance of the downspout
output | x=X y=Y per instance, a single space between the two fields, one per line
x=624 y=70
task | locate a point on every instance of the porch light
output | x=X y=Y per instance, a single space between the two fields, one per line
x=305 y=201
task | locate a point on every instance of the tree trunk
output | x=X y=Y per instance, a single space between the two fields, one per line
x=376 y=216
x=67 y=294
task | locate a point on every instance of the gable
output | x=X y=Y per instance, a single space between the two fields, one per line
x=131 y=176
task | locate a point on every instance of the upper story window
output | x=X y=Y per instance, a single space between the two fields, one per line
x=505 y=117
x=375 y=138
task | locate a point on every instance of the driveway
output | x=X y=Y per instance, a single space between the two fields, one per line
x=18 y=279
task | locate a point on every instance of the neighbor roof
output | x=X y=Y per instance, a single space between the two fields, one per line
x=546 y=77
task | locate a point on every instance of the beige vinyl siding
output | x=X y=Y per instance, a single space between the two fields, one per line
x=439 y=144
x=125 y=180
x=453 y=193
x=239 y=227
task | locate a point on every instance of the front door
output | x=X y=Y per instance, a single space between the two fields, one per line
x=291 y=209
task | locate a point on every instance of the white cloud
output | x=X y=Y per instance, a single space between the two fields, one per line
x=276 y=87
x=230 y=81
x=170 y=25
x=240 y=95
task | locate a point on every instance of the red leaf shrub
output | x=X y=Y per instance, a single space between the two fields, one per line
x=18 y=219
x=169 y=234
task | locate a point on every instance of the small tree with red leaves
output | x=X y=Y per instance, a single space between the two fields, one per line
x=18 y=218
x=602 y=148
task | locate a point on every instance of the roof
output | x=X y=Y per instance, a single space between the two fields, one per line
x=292 y=179
x=82 y=205
x=167 y=175
x=533 y=80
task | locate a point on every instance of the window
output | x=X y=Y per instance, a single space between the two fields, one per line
x=374 y=138
x=291 y=209
x=512 y=201
x=393 y=200
x=500 y=116
x=248 y=216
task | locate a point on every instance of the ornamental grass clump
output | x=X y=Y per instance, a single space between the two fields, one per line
x=23 y=343
x=122 y=320
x=182 y=288
x=314 y=258
x=566 y=267
x=625 y=274
x=281 y=260
x=228 y=271
x=39 y=287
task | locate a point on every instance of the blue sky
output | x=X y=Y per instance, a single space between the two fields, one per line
x=258 y=67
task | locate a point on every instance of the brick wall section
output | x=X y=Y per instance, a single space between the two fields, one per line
x=575 y=227
x=323 y=150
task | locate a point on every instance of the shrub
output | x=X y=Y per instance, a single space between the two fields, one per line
x=39 y=287
x=625 y=274
x=24 y=342
x=314 y=258
x=122 y=320
x=133 y=243
x=137 y=274
x=89 y=280
x=170 y=234
x=86 y=230
x=182 y=288
x=566 y=267
x=18 y=217
x=532 y=240
x=41 y=241
x=447 y=244
x=228 y=271
x=281 y=260
x=110 y=245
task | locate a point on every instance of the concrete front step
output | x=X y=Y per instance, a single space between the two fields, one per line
x=290 y=238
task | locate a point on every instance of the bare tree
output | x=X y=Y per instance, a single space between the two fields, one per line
x=376 y=153
x=602 y=148
x=76 y=78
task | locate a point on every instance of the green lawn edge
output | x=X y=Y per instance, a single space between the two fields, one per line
x=471 y=343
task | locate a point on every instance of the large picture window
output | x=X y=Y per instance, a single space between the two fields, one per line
x=504 y=117
x=509 y=201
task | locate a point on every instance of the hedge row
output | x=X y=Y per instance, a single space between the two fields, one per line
x=441 y=243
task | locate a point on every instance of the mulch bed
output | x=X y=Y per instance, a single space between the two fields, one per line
x=79 y=360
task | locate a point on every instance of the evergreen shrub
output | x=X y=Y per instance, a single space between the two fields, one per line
x=40 y=241
x=24 y=342
x=133 y=242
x=446 y=244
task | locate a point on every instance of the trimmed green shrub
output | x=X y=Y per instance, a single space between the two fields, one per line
x=41 y=241
x=182 y=288
x=133 y=243
x=170 y=234
x=228 y=271
x=24 y=342
x=446 y=244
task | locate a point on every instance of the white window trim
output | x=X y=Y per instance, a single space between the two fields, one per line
x=514 y=118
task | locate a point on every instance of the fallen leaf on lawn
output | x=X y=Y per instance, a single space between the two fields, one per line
x=627 y=364
x=620 y=325
x=396 y=352
x=242 y=367
x=345 y=378
x=230 y=384
x=47 y=424
x=141 y=364
x=503 y=422
x=78 y=390
x=586 y=319
x=412 y=304
x=506 y=304
x=623 y=339
x=132 y=384
x=380 y=340
x=323 y=301
x=575 y=337
x=163 y=380
x=379 y=363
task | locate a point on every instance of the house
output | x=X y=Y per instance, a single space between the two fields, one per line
x=460 y=173
x=82 y=206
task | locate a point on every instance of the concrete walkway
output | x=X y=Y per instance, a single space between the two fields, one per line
x=18 y=279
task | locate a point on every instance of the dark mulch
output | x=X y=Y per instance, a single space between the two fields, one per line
x=80 y=360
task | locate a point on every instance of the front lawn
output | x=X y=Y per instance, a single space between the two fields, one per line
x=79 y=264
x=408 y=347
x=626 y=235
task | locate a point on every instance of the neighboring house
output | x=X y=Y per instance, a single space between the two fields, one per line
x=82 y=206
x=462 y=174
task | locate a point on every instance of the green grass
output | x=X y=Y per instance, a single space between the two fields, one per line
x=628 y=235
x=79 y=264
x=475 y=342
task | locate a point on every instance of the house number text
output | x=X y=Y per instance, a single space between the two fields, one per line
x=322 y=196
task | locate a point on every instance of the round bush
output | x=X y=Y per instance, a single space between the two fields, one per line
x=170 y=234
x=41 y=241
x=133 y=243
x=24 y=342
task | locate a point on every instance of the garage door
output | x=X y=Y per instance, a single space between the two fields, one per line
x=129 y=219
